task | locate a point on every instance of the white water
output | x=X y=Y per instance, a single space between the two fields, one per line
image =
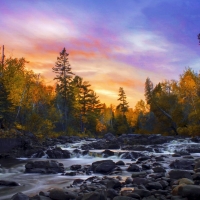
x=32 y=184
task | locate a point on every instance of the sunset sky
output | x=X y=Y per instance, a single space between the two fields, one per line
x=111 y=43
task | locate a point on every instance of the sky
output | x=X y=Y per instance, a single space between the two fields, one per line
x=111 y=43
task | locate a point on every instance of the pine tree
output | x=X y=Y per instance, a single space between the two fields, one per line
x=63 y=76
x=123 y=106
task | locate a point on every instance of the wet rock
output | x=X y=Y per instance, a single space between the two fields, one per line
x=46 y=167
x=95 y=196
x=107 y=153
x=164 y=183
x=154 y=185
x=19 y=196
x=123 y=198
x=139 y=174
x=182 y=164
x=111 y=193
x=128 y=180
x=142 y=193
x=101 y=144
x=85 y=152
x=57 y=194
x=197 y=164
x=176 y=155
x=77 y=181
x=185 y=181
x=113 y=145
x=140 y=181
x=104 y=166
x=142 y=158
x=109 y=137
x=75 y=167
x=58 y=153
x=192 y=192
x=178 y=174
x=70 y=174
x=8 y=183
x=158 y=169
x=120 y=162
x=146 y=166
x=133 y=168
x=111 y=183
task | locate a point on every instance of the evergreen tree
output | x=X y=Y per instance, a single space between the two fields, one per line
x=123 y=106
x=63 y=76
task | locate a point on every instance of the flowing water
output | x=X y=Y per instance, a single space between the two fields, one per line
x=32 y=184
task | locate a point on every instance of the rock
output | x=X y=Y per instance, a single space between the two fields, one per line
x=77 y=181
x=120 y=162
x=111 y=183
x=70 y=174
x=182 y=164
x=109 y=137
x=94 y=196
x=8 y=183
x=159 y=169
x=107 y=153
x=75 y=167
x=192 y=192
x=138 y=174
x=104 y=166
x=111 y=193
x=113 y=145
x=142 y=192
x=178 y=174
x=155 y=186
x=19 y=196
x=58 y=153
x=197 y=164
x=140 y=181
x=185 y=181
x=128 y=180
x=146 y=166
x=47 y=167
x=123 y=198
x=142 y=158
x=58 y=194
x=175 y=189
x=133 y=168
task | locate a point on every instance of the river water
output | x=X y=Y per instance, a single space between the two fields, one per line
x=32 y=184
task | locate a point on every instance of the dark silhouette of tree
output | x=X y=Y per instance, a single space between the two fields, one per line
x=64 y=76
x=123 y=106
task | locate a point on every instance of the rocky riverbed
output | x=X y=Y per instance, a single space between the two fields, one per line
x=129 y=167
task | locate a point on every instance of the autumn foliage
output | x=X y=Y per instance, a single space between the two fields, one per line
x=71 y=106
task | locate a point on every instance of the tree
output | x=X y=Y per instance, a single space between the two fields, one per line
x=5 y=105
x=162 y=104
x=123 y=106
x=63 y=76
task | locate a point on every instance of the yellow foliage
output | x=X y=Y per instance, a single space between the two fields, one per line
x=100 y=127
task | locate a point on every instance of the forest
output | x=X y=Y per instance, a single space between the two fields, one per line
x=71 y=107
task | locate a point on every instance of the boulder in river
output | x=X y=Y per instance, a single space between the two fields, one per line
x=178 y=174
x=58 y=153
x=182 y=164
x=103 y=166
x=19 y=196
x=8 y=183
x=192 y=192
x=46 y=167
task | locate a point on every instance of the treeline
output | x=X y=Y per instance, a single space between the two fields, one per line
x=71 y=107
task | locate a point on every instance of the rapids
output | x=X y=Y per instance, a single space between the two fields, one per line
x=32 y=184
